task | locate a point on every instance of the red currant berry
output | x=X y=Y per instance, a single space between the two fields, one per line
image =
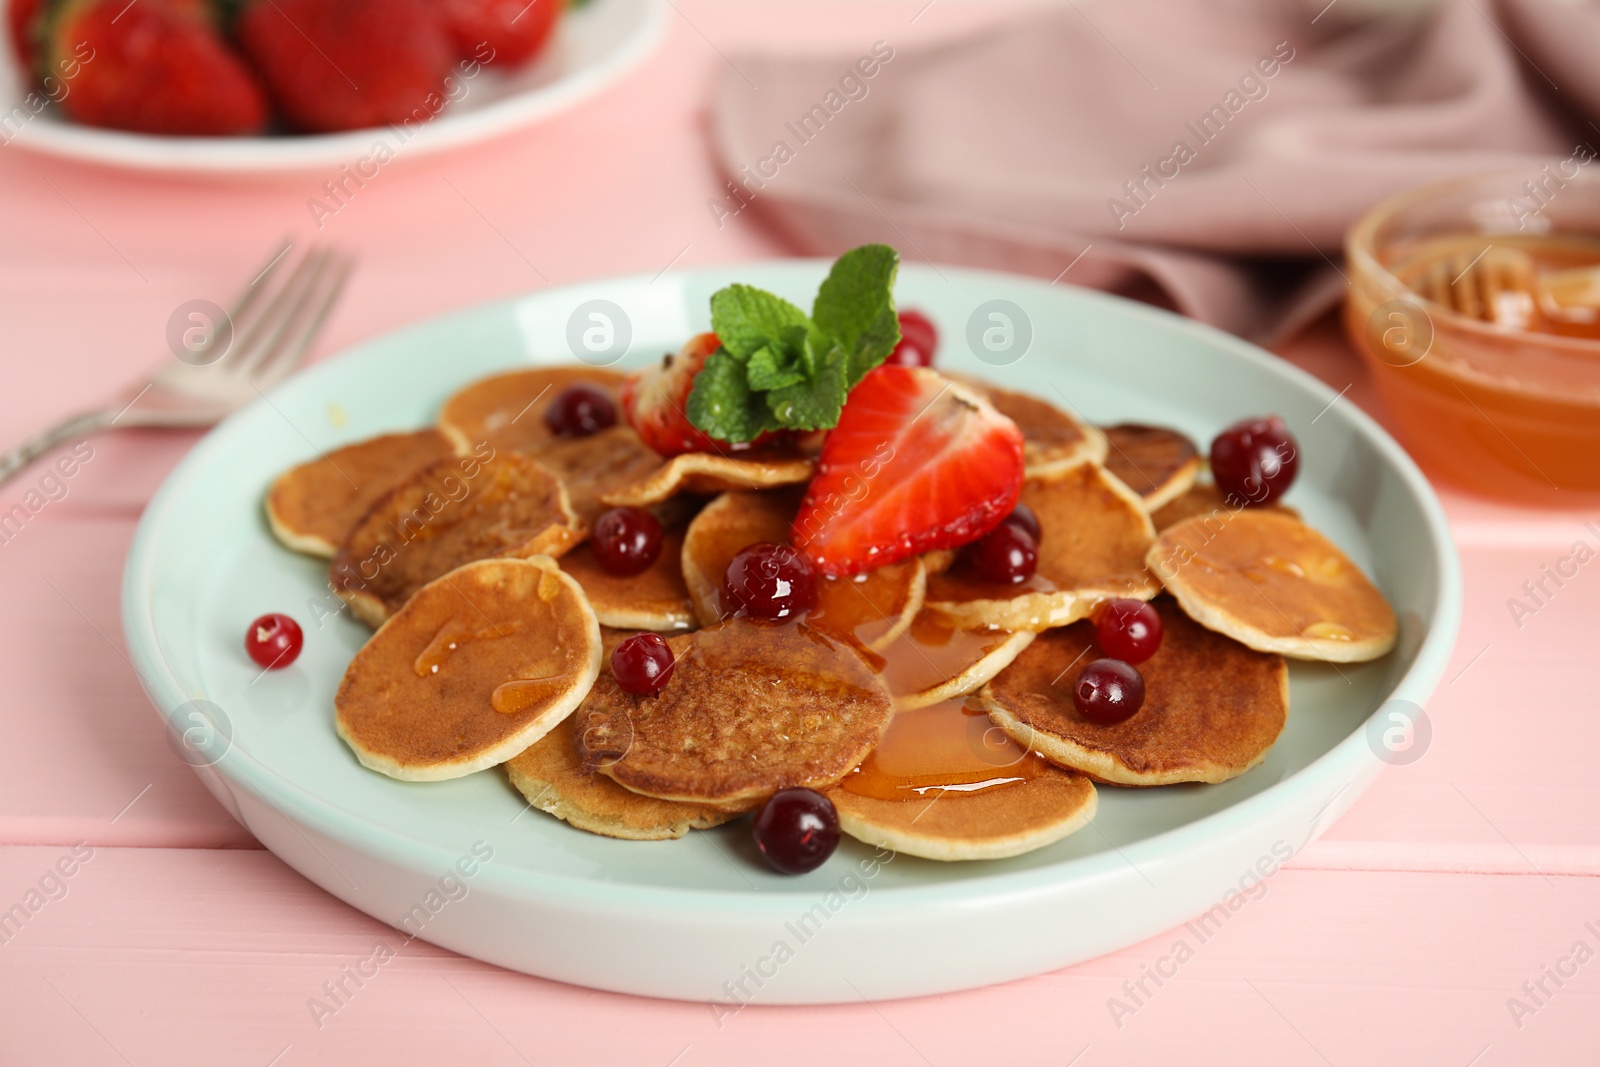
x=274 y=641
x=579 y=411
x=1022 y=516
x=1006 y=554
x=626 y=541
x=1108 y=691
x=797 y=830
x=919 y=339
x=643 y=664
x=770 y=581
x=1129 y=630
x=1254 y=461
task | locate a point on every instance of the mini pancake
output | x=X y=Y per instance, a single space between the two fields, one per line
x=477 y=666
x=1094 y=536
x=872 y=609
x=655 y=599
x=1275 y=584
x=595 y=465
x=1212 y=708
x=985 y=826
x=945 y=784
x=507 y=410
x=311 y=507
x=1052 y=439
x=1157 y=463
x=707 y=473
x=450 y=512
x=750 y=708
x=551 y=775
x=935 y=661
x=1204 y=498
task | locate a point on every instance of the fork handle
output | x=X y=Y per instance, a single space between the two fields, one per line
x=17 y=459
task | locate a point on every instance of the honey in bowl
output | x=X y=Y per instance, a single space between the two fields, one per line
x=1483 y=338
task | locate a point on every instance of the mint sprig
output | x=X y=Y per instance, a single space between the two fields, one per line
x=780 y=369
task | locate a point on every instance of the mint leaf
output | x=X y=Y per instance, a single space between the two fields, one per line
x=816 y=404
x=771 y=368
x=722 y=403
x=779 y=368
x=745 y=318
x=855 y=306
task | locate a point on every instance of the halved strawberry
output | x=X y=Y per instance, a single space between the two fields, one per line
x=655 y=400
x=917 y=463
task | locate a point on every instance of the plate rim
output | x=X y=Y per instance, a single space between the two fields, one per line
x=1341 y=766
x=294 y=153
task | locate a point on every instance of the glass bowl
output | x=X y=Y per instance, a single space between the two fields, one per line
x=1503 y=411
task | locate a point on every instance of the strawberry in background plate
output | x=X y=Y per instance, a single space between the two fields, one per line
x=508 y=32
x=916 y=463
x=21 y=21
x=349 y=64
x=158 y=66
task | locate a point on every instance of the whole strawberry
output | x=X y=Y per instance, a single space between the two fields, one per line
x=506 y=33
x=22 y=19
x=158 y=66
x=349 y=64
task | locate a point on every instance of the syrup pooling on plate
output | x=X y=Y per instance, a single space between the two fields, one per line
x=946 y=747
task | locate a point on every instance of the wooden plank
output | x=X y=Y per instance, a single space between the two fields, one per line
x=178 y=957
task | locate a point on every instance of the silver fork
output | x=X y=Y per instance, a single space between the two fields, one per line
x=263 y=338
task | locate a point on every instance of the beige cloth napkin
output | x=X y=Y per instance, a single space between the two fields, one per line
x=1205 y=154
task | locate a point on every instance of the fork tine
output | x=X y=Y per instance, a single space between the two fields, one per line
x=253 y=341
x=287 y=356
x=247 y=297
x=281 y=327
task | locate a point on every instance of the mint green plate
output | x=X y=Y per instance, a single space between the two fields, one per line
x=466 y=865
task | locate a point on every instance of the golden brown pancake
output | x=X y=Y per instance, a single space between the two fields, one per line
x=1094 y=536
x=449 y=513
x=655 y=599
x=1204 y=498
x=1212 y=708
x=707 y=473
x=507 y=410
x=311 y=507
x=1052 y=439
x=983 y=826
x=477 y=666
x=591 y=466
x=872 y=609
x=1275 y=584
x=946 y=784
x=551 y=775
x=750 y=708
x=1157 y=463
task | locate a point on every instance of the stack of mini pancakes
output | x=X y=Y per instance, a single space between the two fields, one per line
x=464 y=545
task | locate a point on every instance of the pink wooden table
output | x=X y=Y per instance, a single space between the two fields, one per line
x=1458 y=888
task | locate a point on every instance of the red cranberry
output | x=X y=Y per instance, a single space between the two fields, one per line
x=274 y=641
x=1022 y=516
x=771 y=581
x=1129 y=630
x=626 y=541
x=797 y=830
x=1108 y=691
x=1254 y=461
x=1006 y=554
x=580 y=410
x=919 y=339
x=643 y=664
